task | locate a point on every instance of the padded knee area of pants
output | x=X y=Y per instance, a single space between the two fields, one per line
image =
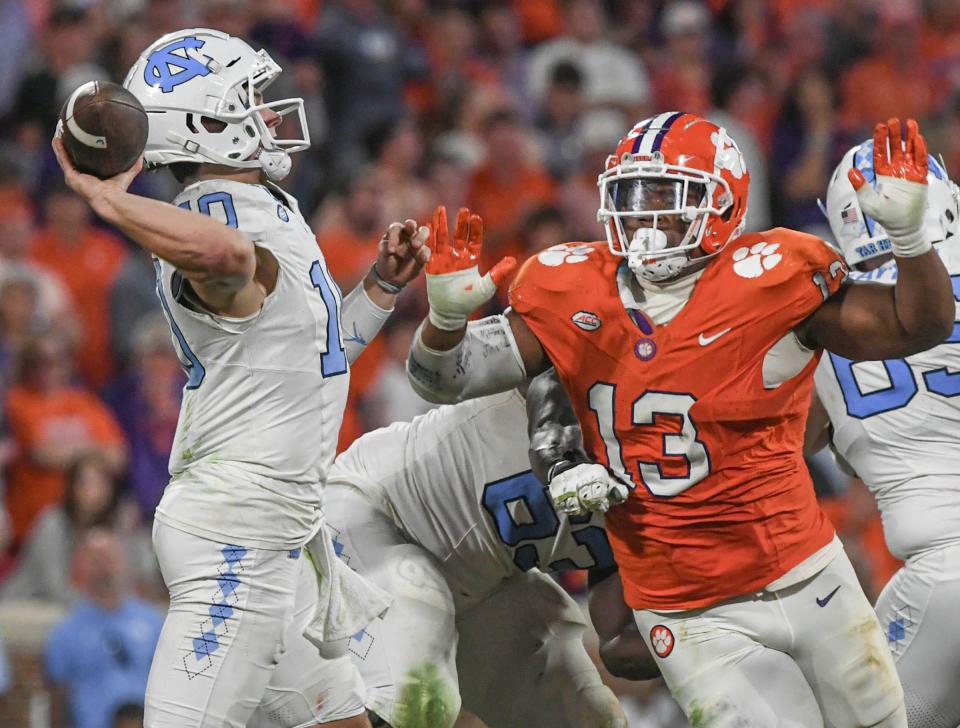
x=858 y=665
x=426 y=699
x=897 y=719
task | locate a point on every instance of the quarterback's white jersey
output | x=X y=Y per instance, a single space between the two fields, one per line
x=897 y=422
x=265 y=395
x=458 y=482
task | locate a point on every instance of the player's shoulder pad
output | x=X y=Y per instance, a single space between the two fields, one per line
x=775 y=256
x=556 y=270
x=250 y=208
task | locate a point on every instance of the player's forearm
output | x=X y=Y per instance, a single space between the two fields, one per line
x=441 y=339
x=626 y=656
x=485 y=361
x=197 y=245
x=362 y=315
x=553 y=428
x=924 y=301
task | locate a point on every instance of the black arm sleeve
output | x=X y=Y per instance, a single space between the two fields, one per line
x=556 y=443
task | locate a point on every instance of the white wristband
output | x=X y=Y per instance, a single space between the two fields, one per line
x=910 y=245
x=446 y=321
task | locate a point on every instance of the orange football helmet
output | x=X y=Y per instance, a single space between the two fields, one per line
x=672 y=164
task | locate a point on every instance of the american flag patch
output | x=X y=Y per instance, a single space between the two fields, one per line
x=849 y=215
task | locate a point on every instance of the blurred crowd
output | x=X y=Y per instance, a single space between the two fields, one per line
x=508 y=107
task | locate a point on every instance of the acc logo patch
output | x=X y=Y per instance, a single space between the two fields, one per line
x=586 y=320
x=662 y=640
x=172 y=65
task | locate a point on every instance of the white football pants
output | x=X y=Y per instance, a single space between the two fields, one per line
x=232 y=652
x=807 y=656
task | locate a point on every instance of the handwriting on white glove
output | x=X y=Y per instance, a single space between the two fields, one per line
x=586 y=488
x=455 y=288
x=899 y=200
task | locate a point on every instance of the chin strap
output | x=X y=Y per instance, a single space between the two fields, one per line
x=276 y=163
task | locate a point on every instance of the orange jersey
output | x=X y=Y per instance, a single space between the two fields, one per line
x=722 y=503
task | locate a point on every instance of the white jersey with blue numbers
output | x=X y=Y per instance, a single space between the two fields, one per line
x=265 y=394
x=457 y=481
x=897 y=422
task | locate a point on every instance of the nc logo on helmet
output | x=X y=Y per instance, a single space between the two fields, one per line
x=168 y=68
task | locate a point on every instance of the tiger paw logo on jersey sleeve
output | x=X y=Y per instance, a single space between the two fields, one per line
x=564 y=253
x=751 y=262
x=662 y=640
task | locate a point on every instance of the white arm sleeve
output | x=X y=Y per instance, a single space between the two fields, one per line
x=360 y=320
x=487 y=361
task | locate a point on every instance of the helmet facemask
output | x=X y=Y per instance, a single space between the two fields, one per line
x=655 y=214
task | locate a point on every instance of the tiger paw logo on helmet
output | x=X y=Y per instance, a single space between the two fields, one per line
x=564 y=253
x=728 y=155
x=751 y=262
x=662 y=640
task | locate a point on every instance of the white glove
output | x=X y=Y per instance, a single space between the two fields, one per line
x=454 y=296
x=585 y=488
x=899 y=205
x=455 y=288
x=899 y=201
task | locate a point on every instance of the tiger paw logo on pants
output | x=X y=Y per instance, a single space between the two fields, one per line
x=662 y=640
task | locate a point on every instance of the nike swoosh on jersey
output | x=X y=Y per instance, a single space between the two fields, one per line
x=823 y=602
x=707 y=340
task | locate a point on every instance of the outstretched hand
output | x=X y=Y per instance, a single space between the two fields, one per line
x=466 y=248
x=455 y=288
x=905 y=159
x=402 y=252
x=898 y=198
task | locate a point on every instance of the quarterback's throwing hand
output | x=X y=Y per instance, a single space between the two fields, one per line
x=455 y=288
x=585 y=488
x=898 y=200
x=87 y=186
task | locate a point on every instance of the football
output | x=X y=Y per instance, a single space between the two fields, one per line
x=104 y=128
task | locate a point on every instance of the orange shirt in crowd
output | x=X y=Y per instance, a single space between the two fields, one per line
x=87 y=268
x=540 y=20
x=348 y=255
x=902 y=96
x=503 y=202
x=35 y=417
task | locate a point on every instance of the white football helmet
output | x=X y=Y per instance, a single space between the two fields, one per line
x=199 y=89
x=860 y=237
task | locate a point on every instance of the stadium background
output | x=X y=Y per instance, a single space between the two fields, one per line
x=508 y=107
